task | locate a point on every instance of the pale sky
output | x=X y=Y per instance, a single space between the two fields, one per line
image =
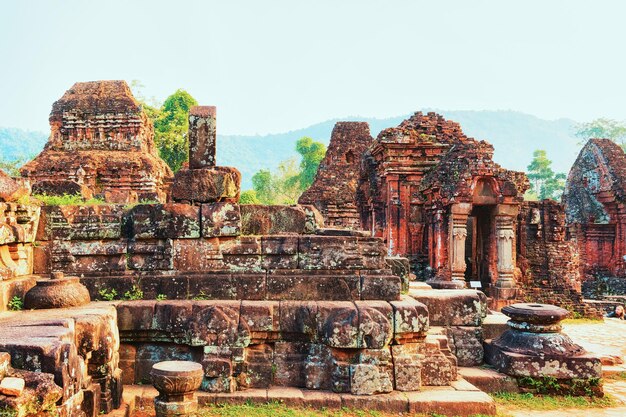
x=273 y=66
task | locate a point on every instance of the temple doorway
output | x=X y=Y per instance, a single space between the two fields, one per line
x=479 y=245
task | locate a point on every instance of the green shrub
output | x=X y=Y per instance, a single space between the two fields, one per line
x=66 y=200
x=134 y=293
x=107 y=294
x=16 y=303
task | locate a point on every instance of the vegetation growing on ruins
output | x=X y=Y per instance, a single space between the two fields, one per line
x=286 y=184
x=544 y=182
x=16 y=303
x=63 y=200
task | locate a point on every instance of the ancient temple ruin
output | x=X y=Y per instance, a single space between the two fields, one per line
x=333 y=192
x=267 y=303
x=436 y=197
x=594 y=201
x=101 y=144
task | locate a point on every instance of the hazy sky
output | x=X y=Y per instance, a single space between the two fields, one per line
x=272 y=66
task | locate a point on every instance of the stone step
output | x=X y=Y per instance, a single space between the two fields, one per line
x=460 y=399
x=488 y=380
x=494 y=325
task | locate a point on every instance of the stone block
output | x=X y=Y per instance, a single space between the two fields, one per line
x=380 y=287
x=290 y=359
x=258 y=367
x=324 y=400
x=290 y=397
x=451 y=402
x=207 y=185
x=221 y=219
x=150 y=255
x=162 y=221
x=135 y=315
x=300 y=285
x=97 y=222
x=329 y=252
x=488 y=380
x=274 y=220
x=375 y=324
x=202 y=136
x=407 y=366
x=197 y=255
x=338 y=324
x=242 y=254
x=454 y=307
x=410 y=319
x=466 y=344
x=279 y=252
x=216 y=286
x=262 y=319
x=216 y=323
x=299 y=320
x=249 y=286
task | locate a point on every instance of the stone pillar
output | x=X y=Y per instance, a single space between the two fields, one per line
x=505 y=287
x=202 y=137
x=438 y=238
x=450 y=268
x=458 y=235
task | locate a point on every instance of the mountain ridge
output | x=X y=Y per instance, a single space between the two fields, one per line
x=514 y=135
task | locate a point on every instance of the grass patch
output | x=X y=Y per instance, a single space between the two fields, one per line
x=64 y=200
x=276 y=409
x=550 y=402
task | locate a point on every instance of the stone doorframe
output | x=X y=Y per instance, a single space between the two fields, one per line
x=505 y=214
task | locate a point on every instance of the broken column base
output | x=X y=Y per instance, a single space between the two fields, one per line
x=175 y=408
x=535 y=366
x=542 y=359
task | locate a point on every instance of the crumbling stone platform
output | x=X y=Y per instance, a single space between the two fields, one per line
x=461 y=399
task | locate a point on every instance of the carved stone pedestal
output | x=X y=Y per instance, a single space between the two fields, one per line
x=176 y=382
x=534 y=346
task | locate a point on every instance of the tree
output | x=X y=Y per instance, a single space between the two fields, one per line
x=603 y=128
x=290 y=179
x=249 y=197
x=262 y=186
x=12 y=168
x=170 y=128
x=544 y=182
x=171 y=122
x=312 y=154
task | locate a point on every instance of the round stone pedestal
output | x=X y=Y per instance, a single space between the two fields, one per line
x=58 y=291
x=534 y=346
x=176 y=382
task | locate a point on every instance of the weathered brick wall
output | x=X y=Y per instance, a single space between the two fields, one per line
x=333 y=192
x=549 y=262
x=594 y=204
